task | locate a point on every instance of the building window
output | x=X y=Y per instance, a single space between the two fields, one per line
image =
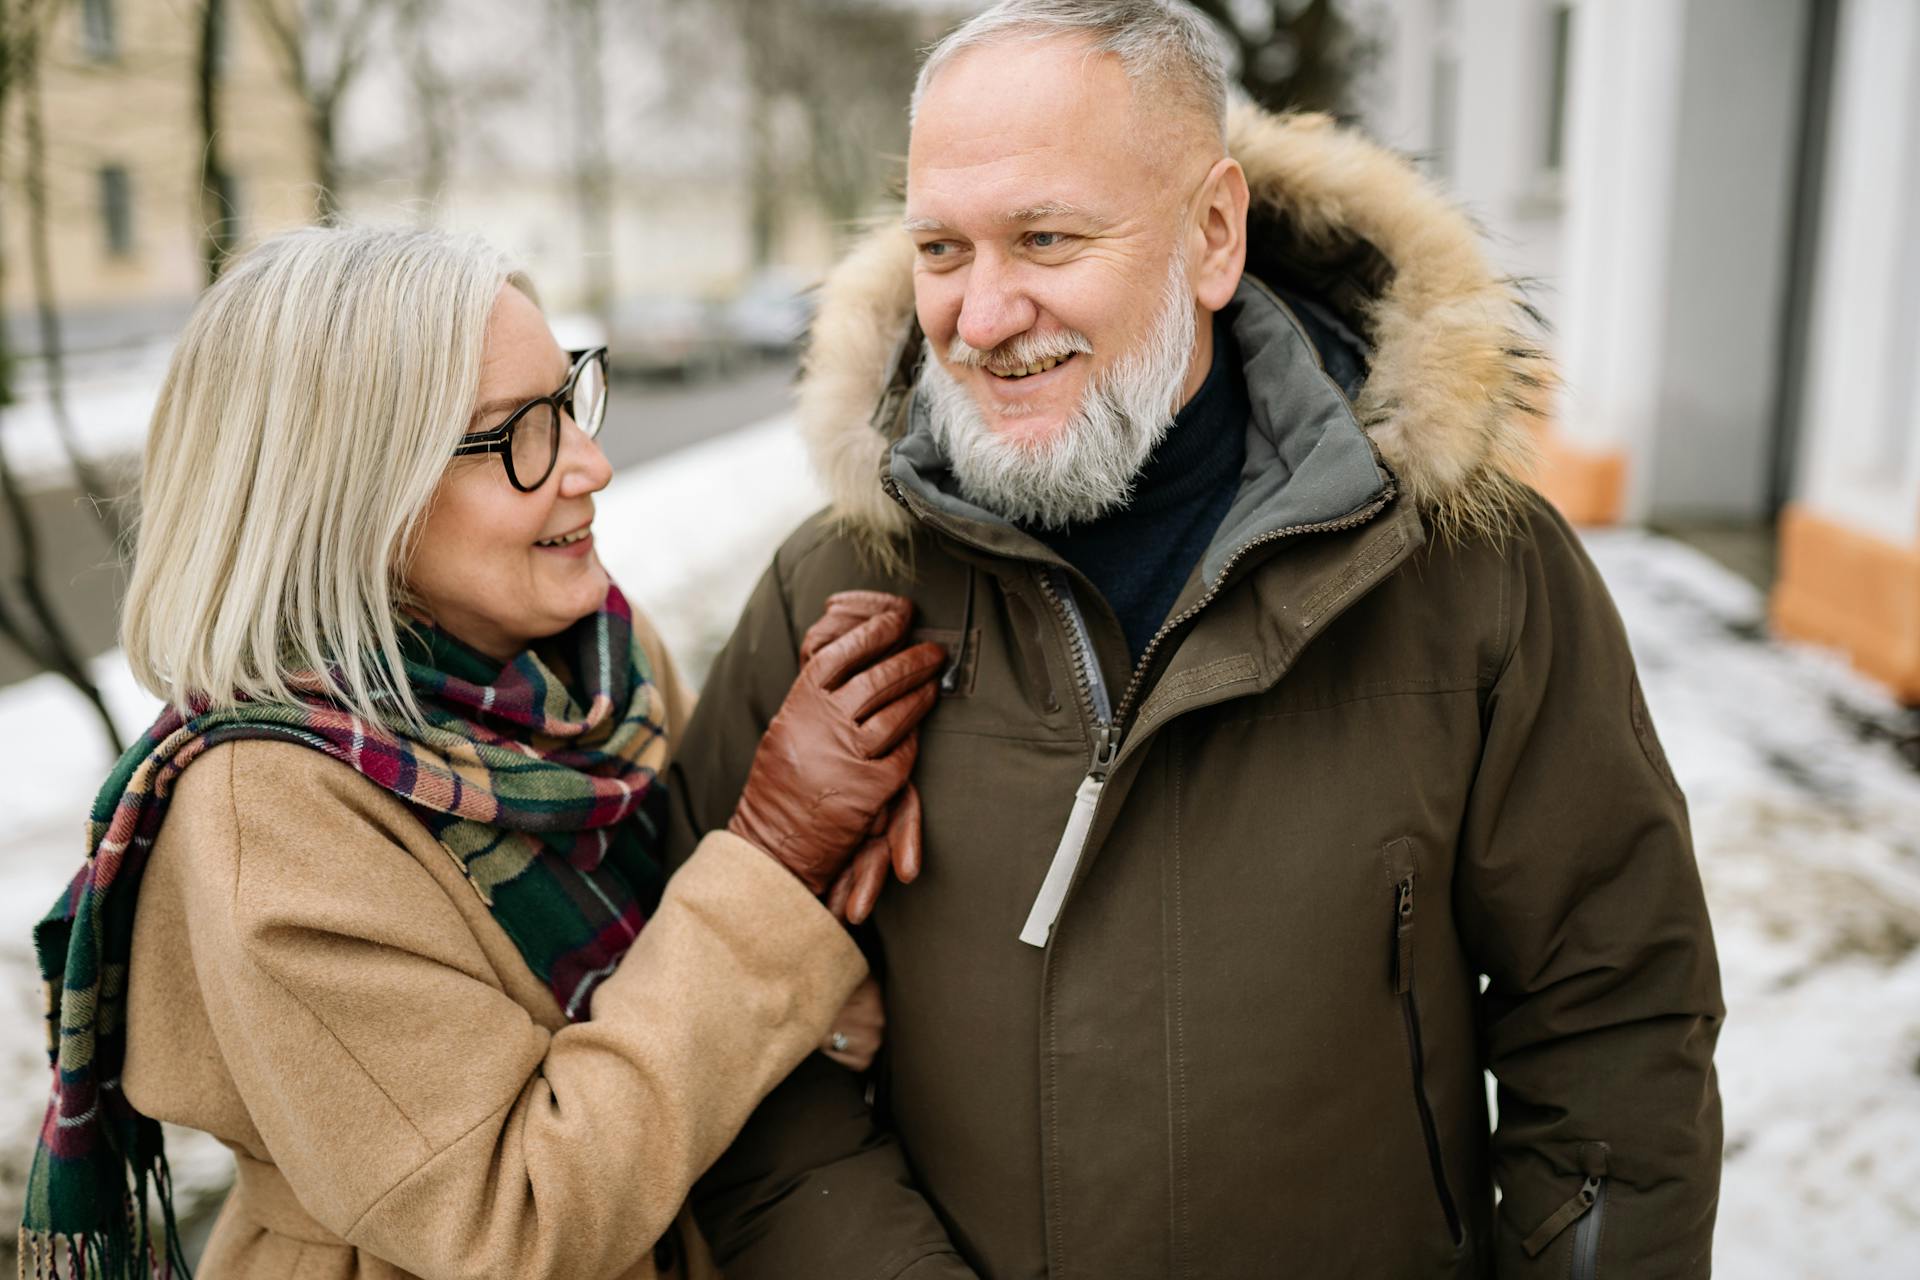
x=96 y=24
x=1559 y=65
x=116 y=210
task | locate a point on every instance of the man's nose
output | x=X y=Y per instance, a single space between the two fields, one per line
x=995 y=307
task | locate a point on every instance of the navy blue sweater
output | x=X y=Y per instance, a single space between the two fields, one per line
x=1140 y=555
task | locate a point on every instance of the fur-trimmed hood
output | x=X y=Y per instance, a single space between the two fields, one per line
x=1453 y=376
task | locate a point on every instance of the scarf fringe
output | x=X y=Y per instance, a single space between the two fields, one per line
x=41 y=1254
x=586 y=814
x=128 y=1254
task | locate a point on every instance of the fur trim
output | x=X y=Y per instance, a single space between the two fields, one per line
x=865 y=306
x=1453 y=380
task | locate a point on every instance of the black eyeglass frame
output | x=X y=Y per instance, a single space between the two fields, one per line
x=500 y=439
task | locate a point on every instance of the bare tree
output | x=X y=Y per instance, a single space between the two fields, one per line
x=91 y=483
x=862 y=63
x=843 y=70
x=435 y=102
x=27 y=619
x=219 y=220
x=1295 y=55
x=322 y=46
x=584 y=24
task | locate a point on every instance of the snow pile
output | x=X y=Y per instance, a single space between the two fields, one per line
x=687 y=537
x=1807 y=827
x=113 y=397
x=1806 y=821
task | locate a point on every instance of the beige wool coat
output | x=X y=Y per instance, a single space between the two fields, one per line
x=314 y=982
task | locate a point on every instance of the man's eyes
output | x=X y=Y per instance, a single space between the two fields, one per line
x=1045 y=242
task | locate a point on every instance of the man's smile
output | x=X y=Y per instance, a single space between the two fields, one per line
x=1018 y=372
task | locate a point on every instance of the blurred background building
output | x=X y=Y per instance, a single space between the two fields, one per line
x=1711 y=201
x=1716 y=200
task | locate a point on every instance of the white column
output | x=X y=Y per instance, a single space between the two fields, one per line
x=1860 y=451
x=1621 y=129
x=1686 y=133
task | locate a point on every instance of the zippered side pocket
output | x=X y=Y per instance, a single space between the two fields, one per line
x=1401 y=874
x=1585 y=1212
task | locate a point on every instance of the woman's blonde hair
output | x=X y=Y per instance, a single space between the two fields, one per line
x=311 y=407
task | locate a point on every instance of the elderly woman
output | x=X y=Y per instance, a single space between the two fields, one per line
x=377 y=901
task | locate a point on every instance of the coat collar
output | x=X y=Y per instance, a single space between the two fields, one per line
x=1453 y=378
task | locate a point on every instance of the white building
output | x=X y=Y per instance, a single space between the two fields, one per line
x=1719 y=199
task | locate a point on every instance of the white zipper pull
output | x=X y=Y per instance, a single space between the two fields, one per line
x=1073 y=842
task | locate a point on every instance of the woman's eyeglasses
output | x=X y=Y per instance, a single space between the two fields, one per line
x=528 y=442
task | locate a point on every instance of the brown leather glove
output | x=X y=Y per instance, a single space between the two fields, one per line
x=840 y=747
x=855 y=893
x=897 y=844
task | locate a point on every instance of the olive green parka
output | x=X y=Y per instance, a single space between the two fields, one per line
x=1379 y=811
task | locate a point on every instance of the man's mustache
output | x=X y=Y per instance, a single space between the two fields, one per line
x=1018 y=352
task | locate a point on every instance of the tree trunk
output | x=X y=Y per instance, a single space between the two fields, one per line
x=86 y=476
x=44 y=641
x=1327 y=53
x=593 y=170
x=45 y=644
x=763 y=163
x=219 y=226
x=7 y=19
x=431 y=95
x=326 y=161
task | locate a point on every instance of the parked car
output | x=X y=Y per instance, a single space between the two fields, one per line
x=771 y=313
x=656 y=335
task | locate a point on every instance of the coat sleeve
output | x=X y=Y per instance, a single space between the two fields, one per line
x=1578 y=895
x=814 y=1188
x=421 y=1113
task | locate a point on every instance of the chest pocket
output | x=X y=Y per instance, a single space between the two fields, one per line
x=963 y=657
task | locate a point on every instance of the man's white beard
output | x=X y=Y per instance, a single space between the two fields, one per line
x=1087 y=469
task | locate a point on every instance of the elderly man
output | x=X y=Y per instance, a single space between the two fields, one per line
x=1291 y=770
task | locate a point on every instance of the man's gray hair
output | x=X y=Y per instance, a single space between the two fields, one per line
x=1169 y=47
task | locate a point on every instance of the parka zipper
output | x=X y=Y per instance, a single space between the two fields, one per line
x=1410 y=1012
x=1109 y=724
x=1585 y=1212
x=1086 y=799
x=1586 y=1234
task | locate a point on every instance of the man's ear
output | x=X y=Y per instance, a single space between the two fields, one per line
x=1219 y=238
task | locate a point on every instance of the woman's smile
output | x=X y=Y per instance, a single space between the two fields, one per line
x=575 y=543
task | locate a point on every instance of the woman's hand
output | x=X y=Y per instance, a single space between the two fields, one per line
x=841 y=746
x=897 y=846
x=858 y=1028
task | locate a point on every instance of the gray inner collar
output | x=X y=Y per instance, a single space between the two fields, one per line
x=1308 y=461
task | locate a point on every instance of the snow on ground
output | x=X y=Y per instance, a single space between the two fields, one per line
x=1806 y=820
x=1807 y=827
x=113 y=395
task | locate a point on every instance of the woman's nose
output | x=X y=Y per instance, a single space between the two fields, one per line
x=583 y=465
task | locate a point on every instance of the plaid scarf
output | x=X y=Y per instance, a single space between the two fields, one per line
x=540 y=779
